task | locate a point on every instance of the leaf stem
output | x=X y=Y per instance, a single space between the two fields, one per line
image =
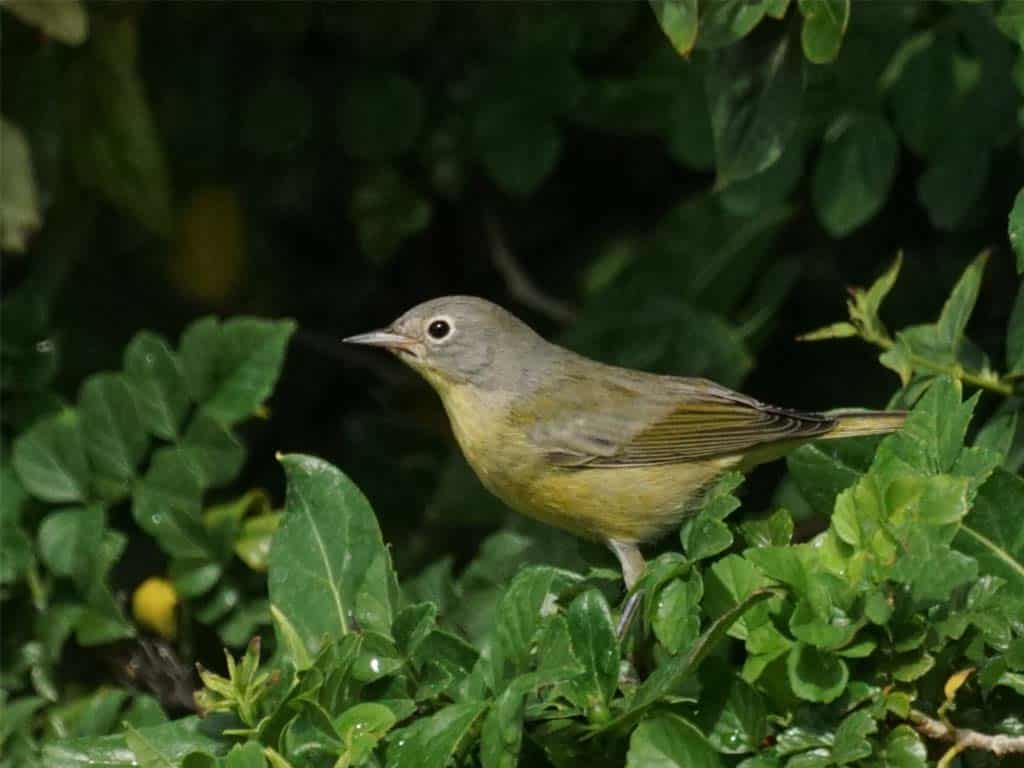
x=998 y=744
x=956 y=371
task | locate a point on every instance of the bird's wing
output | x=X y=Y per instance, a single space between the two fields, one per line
x=625 y=421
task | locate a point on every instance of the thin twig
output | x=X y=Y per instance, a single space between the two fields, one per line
x=998 y=744
x=956 y=371
x=518 y=282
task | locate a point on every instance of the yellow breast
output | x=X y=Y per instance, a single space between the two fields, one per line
x=630 y=504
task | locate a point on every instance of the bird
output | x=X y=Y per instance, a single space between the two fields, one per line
x=607 y=453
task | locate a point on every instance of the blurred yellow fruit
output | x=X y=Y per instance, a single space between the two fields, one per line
x=154 y=605
x=209 y=259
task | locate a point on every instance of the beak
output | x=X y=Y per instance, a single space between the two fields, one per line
x=384 y=338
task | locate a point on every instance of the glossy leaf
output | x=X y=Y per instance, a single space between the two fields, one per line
x=679 y=22
x=668 y=740
x=596 y=647
x=170 y=741
x=823 y=29
x=755 y=100
x=167 y=503
x=431 y=742
x=322 y=552
x=816 y=675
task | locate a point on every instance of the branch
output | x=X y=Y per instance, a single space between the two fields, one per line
x=996 y=384
x=964 y=738
x=518 y=283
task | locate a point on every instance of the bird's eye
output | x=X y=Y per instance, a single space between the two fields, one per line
x=438 y=329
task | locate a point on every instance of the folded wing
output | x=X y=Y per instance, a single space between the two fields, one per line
x=643 y=420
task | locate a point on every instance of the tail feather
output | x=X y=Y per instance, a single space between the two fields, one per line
x=853 y=423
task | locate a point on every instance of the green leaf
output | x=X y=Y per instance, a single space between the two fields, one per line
x=1015 y=336
x=669 y=740
x=502 y=734
x=992 y=532
x=596 y=647
x=115 y=146
x=676 y=620
x=431 y=742
x=50 y=459
x=851 y=740
x=957 y=310
x=771 y=187
x=292 y=645
x=773 y=531
x=823 y=29
x=953 y=182
x=167 y=504
x=112 y=429
x=706 y=537
x=531 y=596
x=816 y=675
x=679 y=668
x=248 y=755
x=155 y=375
x=379 y=117
x=217 y=451
x=920 y=80
x=253 y=542
x=730 y=582
x=360 y=729
x=169 y=741
x=723 y=22
x=63 y=20
x=232 y=368
x=322 y=553
x=387 y=211
x=1015 y=229
x=933 y=434
x=905 y=749
x=755 y=100
x=517 y=147
x=678 y=20
x=739 y=724
x=20 y=216
x=70 y=539
x=854 y=172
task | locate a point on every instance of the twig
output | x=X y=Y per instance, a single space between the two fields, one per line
x=956 y=371
x=518 y=282
x=998 y=744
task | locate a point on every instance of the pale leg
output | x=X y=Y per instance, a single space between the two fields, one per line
x=633 y=566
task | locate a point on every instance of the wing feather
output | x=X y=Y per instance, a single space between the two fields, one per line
x=624 y=421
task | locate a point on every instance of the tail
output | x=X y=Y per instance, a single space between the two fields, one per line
x=854 y=423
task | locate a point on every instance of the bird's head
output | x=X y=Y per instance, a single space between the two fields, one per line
x=459 y=340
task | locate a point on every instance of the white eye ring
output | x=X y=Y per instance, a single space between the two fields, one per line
x=440 y=329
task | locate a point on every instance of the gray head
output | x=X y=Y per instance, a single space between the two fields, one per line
x=460 y=340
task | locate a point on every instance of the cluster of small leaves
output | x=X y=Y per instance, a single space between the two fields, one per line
x=145 y=442
x=907 y=607
x=920 y=353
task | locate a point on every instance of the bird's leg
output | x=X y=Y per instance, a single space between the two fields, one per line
x=633 y=566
